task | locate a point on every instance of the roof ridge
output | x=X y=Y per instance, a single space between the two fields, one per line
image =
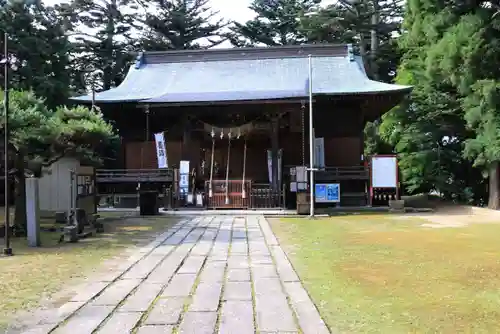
x=274 y=52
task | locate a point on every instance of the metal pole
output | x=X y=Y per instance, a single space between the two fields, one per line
x=7 y=250
x=311 y=141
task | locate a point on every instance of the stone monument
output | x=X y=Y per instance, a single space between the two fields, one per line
x=32 y=212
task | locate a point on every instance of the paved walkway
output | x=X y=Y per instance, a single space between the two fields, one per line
x=210 y=274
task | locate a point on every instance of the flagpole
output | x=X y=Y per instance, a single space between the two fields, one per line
x=311 y=141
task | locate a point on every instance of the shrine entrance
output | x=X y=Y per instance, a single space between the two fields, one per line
x=221 y=181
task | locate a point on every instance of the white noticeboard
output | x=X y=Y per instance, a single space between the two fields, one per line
x=184 y=177
x=184 y=167
x=384 y=172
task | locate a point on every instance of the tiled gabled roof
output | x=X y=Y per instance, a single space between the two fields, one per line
x=244 y=74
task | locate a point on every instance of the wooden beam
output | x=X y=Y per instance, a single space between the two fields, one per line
x=202 y=104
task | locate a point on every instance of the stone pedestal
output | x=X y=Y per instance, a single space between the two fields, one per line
x=32 y=212
x=396 y=205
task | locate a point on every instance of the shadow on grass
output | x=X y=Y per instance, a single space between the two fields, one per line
x=384 y=275
x=36 y=276
x=124 y=230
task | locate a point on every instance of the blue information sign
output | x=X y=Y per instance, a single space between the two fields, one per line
x=327 y=193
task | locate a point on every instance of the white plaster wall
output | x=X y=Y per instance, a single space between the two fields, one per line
x=54 y=185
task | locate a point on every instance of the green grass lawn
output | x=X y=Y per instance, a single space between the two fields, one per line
x=36 y=273
x=380 y=274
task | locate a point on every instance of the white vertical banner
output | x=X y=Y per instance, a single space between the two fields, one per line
x=161 y=150
x=270 y=164
x=319 y=152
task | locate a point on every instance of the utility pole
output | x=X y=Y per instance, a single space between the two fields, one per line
x=311 y=142
x=7 y=250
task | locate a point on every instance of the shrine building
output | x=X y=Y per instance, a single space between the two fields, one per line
x=240 y=118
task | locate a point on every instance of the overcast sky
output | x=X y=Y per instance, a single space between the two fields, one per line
x=236 y=10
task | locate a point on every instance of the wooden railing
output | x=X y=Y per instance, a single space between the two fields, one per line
x=234 y=194
x=342 y=173
x=134 y=175
x=262 y=196
x=258 y=195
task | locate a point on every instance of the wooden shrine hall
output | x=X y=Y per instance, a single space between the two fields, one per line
x=239 y=117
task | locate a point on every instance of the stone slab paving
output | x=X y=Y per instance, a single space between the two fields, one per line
x=120 y=323
x=206 y=274
x=236 y=317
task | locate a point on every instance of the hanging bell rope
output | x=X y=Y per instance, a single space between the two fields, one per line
x=227 y=166
x=243 y=192
x=210 y=192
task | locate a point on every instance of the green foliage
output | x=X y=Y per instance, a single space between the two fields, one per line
x=103 y=45
x=374 y=144
x=449 y=48
x=180 y=24
x=38 y=43
x=370 y=25
x=276 y=23
x=483 y=116
x=40 y=134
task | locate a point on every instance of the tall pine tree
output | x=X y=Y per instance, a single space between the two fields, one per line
x=276 y=23
x=448 y=47
x=37 y=41
x=104 y=42
x=180 y=24
x=370 y=25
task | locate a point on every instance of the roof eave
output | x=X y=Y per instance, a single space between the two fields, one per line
x=402 y=90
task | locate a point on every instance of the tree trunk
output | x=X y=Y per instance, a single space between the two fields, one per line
x=20 y=227
x=110 y=34
x=374 y=40
x=363 y=53
x=494 y=186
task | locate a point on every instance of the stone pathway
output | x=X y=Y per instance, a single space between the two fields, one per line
x=209 y=274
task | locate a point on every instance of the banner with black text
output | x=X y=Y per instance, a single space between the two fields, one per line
x=161 y=150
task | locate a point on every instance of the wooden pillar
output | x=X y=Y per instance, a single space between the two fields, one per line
x=186 y=140
x=274 y=152
x=362 y=134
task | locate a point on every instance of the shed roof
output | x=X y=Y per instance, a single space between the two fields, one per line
x=224 y=75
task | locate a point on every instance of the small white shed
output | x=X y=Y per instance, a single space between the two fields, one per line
x=55 y=186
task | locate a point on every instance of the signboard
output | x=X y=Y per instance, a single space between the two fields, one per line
x=301 y=177
x=184 y=177
x=161 y=151
x=184 y=167
x=384 y=172
x=184 y=180
x=327 y=193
